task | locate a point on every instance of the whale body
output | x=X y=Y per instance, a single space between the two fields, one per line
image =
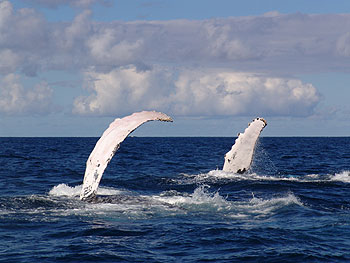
x=239 y=158
x=107 y=146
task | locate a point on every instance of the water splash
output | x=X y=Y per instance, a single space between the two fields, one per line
x=200 y=196
x=342 y=177
x=65 y=190
x=215 y=176
x=68 y=191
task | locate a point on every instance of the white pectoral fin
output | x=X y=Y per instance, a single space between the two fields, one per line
x=108 y=144
x=90 y=185
x=239 y=158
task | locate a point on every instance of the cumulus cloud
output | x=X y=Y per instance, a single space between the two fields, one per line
x=76 y=32
x=23 y=40
x=9 y=61
x=232 y=93
x=15 y=99
x=107 y=49
x=123 y=90
x=279 y=43
x=195 y=92
x=154 y=64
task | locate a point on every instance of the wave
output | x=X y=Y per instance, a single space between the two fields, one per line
x=217 y=175
x=200 y=196
x=261 y=206
x=202 y=201
x=342 y=177
x=121 y=203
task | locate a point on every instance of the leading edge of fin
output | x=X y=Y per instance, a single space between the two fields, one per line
x=109 y=143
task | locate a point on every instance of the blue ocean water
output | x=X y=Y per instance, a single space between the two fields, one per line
x=166 y=200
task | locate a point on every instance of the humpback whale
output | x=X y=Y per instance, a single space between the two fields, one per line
x=107 y=146
x=239 y=158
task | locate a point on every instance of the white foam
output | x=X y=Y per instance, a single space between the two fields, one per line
x=169 y=203
x=342 y=177
x=202 y=199
x=216 y=175
x=65 y=190
x=68 y=191
x=109 y=191
x=200 y=196
x=268 y=205
x=259 y=207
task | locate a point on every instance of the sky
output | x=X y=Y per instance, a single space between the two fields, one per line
x=70 y=67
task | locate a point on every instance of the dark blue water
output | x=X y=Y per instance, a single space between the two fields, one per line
x=166 y=200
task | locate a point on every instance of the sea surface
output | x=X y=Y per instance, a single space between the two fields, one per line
x=167 y=200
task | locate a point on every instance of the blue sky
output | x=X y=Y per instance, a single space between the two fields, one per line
x=68 y=68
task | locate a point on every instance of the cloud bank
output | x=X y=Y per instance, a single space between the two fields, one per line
x=228 y=66
x=280 y=43
x=17 y=100
x=195 y=92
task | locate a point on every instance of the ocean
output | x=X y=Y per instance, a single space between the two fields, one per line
x=167 y=200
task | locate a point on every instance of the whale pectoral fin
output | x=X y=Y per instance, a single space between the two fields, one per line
x=87 y=193
x=239 y=158
x=109 y=143
x=241 y=171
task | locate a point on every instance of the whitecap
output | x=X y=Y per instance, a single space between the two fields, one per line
x=217 y=175
x=266 y=206
x=200 y=196
x=342 y=177
x=65 y=190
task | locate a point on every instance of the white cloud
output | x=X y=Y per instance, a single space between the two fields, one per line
x=24 y=28
x=5 y=13
x=108 y=49
x=287 y=44
x=24 y=38
x=223 y=44
x=195 y=92
x=77 y=32
x=15 y=99
x=115 y=60
x=124 y=89
x=9 y=61
x=232 y=93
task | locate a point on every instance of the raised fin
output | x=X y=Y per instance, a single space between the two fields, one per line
x=108 y=144
x=239 y=158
